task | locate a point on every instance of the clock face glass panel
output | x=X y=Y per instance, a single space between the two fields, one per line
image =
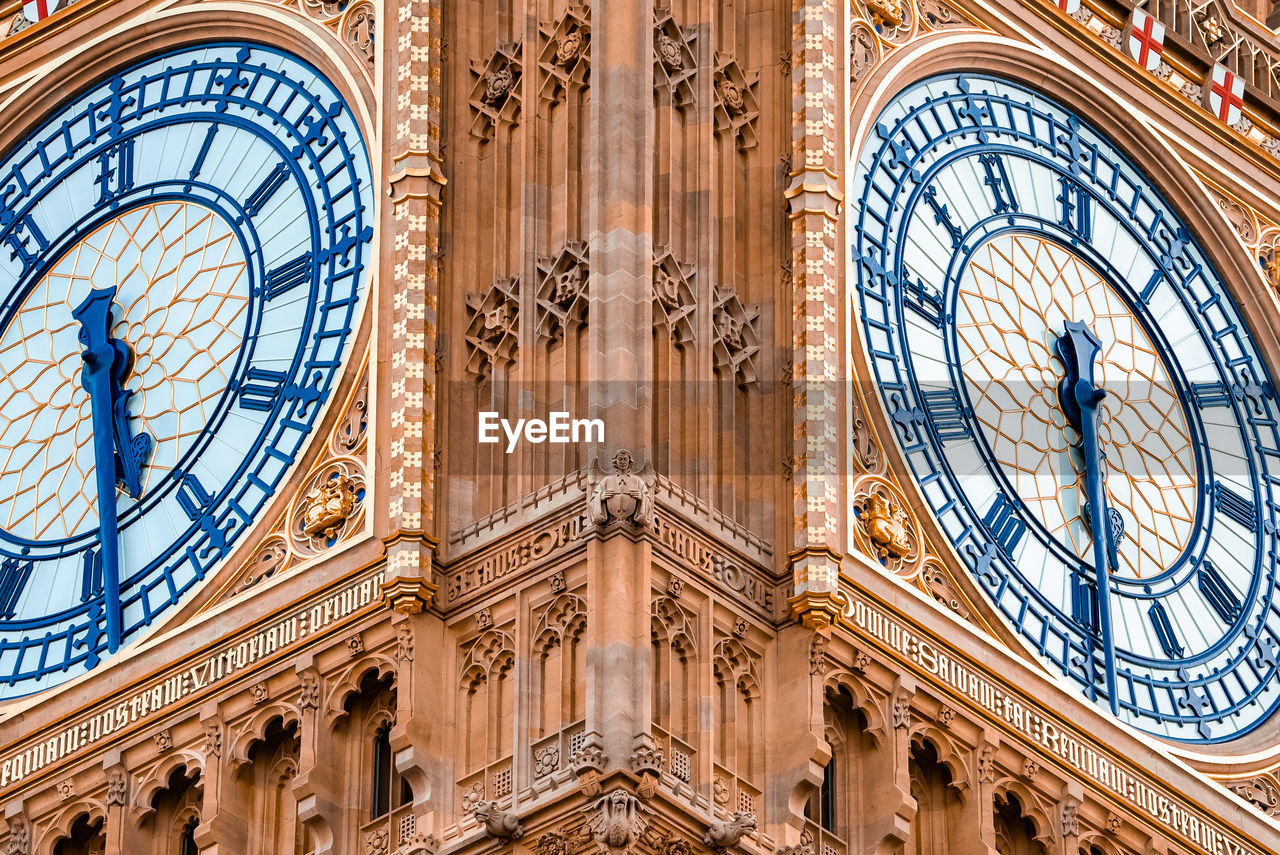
x=1047 y=337
x=183 y=253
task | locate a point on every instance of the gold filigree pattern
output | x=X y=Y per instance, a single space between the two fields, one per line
x=182 y=295
x=1013 y=300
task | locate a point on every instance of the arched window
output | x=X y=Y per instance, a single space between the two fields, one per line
x=827 y=796
x=86 y=838
x=187 y=842
x=386 y=784
x=1015 y=831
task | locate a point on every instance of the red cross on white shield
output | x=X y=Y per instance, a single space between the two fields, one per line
x=1224 y=94
x=1146 y=40
x=38 y=10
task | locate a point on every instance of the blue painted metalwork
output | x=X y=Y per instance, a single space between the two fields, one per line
x=1213 y=682
x=194 y=126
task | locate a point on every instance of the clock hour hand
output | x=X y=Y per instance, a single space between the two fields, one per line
x=1080 y=397
x=118 y=454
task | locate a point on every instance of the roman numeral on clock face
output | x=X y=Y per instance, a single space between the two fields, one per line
x=1216 y=593
x=1213 y=393
x=1003 y=201
x=948 y=417
x=1075 y=211
x=288 y=276
x=1164 y=631
x=193 y=497
x=264 y=191
x=262 y=389
x=1234 y=506
x=1084 y=603
x=90 y=575
x=115 y=171
x=1004 y=524
x=14 y=575
x=924 y=300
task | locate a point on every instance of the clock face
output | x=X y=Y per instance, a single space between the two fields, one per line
x=1058 y=356
x=183 y=251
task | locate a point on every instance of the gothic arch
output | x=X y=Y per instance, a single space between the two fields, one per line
x=157 y=778
x=1097 y=840
x=348 y=684
x=735 y=665
x=863 y=702
x=254 y=730
x=59 y=828
x=1033 y=809
x=491 y=652
x=952 y=755
x=670 y=622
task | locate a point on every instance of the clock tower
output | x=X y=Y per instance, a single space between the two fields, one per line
x=816 y=427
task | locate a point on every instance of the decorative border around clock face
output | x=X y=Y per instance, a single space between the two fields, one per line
x=988 y=217
x=223 y=195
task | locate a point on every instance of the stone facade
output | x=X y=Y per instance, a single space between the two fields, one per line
x=632 y=212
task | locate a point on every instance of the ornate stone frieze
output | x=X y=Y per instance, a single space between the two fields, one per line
x=674 y=63
x=562 y=290
x=495 y=94
x=493 y=327
x=737 y=340
x=1261 y=792
x=736 y=108
x=564 y=58
x=359 y=30
x=673 y=295
x=623 y=495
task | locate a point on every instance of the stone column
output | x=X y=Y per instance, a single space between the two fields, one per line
x=222 y=829
x=796 y=733
x=318 y=786
x=420 y=740
x=890 y=808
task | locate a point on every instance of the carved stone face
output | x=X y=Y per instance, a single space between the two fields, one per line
x=622 y=461
x=497 y=84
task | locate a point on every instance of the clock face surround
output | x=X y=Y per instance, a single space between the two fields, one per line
x=183 y=253
x=1047 y=338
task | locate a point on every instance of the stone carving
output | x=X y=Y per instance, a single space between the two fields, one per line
x=675 y=587
x=562 y=290
x=722 y=835
x=259 y=692
x=404 y=642
x=736 y=107
x=19 y=837
x=676 y=846
x=1030 y=768
x=736 y=340
x=1113 y=824
x=564 y=58
x=1241 y=220
x=492 y=334
x=615 y=822
x=327 y=506
x=864 y=51
x=886 y=13
x=504 y=825
x=623 y=495
x=866 y=451
x=987 y=772
x=884 y=526
x=546 y=760
x=484 y=619
x=323 y=9
x=1070 y=818
x=646 y=761
x=674 y=63
x=358 y=30
x=117 y=787
x=355 y=644
x=376 y=842
x=1259 y=792
x=588 y=764
x=551 y=843
x=937 y=15
x=673 y=295
x=938 y=583
x=557 y=582
x=348 y=437
x=213 y=738
x=740 y=628
x=495 y=94
x=472 y=796
x=309 y=697
x=818 y=654
x=163 y=740
x=946 y=715
x=272 y=557
x=902 y=710
x=331 y=507
x=18 y=23
x=65 y=789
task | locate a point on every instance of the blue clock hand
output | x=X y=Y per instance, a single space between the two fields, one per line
x=118 y=455
x=1080 y=397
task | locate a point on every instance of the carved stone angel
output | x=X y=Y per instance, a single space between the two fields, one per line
x=622 y=495
x=616 y=823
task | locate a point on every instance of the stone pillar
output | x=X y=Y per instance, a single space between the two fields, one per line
x=619 y=218
x=798 y=748
x=890 y=806
x=420 y=740
x=319 y=785
x=120 y=830
x=985 y=789
x=222 y=829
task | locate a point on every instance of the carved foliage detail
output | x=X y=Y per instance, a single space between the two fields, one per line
x=736 y=106
x=358 y=30
x=493 y=327
x=495 y=94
